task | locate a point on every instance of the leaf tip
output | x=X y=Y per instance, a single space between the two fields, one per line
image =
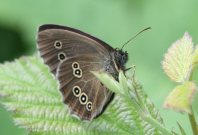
x=187 y=36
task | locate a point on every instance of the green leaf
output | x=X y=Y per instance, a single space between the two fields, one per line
x=181 y=129
x=31 y=93
x=109 y=82
x=178 y=61
x=123 y=82
x=135 y=96
x=151 y=115
x=180 y=99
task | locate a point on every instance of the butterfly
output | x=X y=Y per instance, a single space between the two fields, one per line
x=71 y=56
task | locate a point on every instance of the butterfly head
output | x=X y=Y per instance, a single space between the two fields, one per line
x=121 y=58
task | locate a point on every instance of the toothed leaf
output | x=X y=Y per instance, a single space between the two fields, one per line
x=180 y=99
x=29 y=90
x=177 y=63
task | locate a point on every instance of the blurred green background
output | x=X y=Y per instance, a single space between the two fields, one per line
x=113 y=21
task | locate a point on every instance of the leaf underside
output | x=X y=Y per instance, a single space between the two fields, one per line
x=177 y=63
x=180 y=99
x=30 y=92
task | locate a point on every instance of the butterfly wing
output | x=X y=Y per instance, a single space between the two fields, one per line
x=71 y=55
x=86 y=96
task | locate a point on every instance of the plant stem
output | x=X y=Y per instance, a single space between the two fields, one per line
x=193 y=123
x=191 y=116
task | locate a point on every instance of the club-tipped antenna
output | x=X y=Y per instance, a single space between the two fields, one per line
x=135 y=36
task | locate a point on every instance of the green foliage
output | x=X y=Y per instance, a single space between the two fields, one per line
x=181 y=129
x=113 y=21
x=179 y=63
x=31 y=93
x=180 y=98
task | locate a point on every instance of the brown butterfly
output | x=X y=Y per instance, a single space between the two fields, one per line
x=71 y=55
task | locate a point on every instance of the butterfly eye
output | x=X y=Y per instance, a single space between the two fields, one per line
x=124 y=58
x=61 y=56
x=75 y=65
x=58 y=44
x=76 y=91
x=83 y=98
x=89 y=106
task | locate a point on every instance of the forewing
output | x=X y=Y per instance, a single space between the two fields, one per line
x=74 y=43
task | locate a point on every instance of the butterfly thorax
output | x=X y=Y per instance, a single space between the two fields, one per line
x=120 y=58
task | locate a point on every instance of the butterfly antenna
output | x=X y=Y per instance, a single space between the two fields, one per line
x=135 y=36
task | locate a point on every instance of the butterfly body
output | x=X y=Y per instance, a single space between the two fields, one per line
x=71 y=56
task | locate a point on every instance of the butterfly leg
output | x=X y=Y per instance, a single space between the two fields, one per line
x=131 y=67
